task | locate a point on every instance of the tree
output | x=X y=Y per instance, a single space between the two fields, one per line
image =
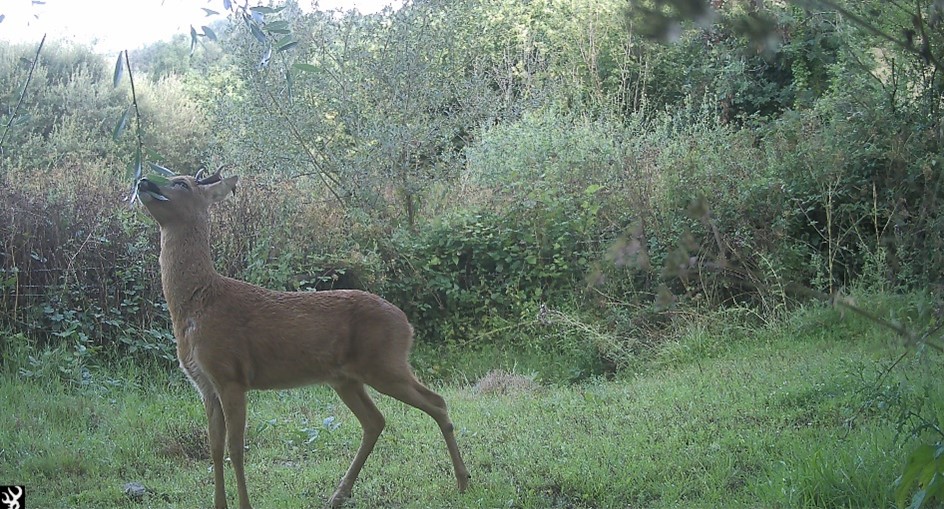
x=376 y=107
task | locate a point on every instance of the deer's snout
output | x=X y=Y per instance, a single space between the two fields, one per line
x=148 y=188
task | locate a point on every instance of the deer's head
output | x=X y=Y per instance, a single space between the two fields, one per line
x=183 y=198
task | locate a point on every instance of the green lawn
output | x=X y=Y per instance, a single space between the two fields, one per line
x=792 y=415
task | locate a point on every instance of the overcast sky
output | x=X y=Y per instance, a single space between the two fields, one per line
x=113 y=25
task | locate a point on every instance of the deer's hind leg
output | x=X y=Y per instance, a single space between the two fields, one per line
x=405 y=387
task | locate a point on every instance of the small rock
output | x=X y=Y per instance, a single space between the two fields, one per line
x=135 y=491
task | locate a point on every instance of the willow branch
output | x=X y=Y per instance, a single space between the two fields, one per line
x=134 y=102
x=19 y=102
x=326 y=178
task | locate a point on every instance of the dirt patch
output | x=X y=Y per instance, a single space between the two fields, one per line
x=189 y=443
x=502 y=383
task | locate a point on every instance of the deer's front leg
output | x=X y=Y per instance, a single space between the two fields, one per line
x=372 y=422
x=217 y=435
x=234 y=410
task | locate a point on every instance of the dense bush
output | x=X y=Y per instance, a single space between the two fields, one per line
x=68 y=110
x=464 y=269
x=80 y=269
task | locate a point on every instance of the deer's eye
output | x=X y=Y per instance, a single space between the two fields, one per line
x=181 y=184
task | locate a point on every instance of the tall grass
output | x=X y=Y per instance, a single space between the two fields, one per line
x=792 y=414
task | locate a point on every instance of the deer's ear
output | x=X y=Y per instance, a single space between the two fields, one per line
x=220 y=190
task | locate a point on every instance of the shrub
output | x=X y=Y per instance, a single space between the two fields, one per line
x=470 y=266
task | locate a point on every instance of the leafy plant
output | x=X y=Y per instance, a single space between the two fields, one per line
x=923 y=475
x=472 y=266
x=13 y=120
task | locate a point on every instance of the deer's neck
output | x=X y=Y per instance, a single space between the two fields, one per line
x=187 y=272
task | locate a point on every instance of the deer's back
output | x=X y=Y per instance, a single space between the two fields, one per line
x=271 y=339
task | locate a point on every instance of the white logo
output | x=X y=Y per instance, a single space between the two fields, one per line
x=11 y=498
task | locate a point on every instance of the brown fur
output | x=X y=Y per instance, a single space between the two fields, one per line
x=233 y=336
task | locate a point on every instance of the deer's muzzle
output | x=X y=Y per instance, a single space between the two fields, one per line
x=148 y=188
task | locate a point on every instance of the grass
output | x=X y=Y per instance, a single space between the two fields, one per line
x=790 y=415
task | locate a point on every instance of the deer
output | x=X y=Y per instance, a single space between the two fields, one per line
x=233 y=337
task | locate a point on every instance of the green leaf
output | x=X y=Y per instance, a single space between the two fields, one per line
x=131 y=175
x=287 y=46
x=305 y=67
x=914 y=473
x=66 y=333
x=209 y=12
x=193 y=39
x=20 y=119
x=935 y=488
x=159 y=180
x=254 y=28
x=266 y=10
x=122 y=124
x=137 y=164
x=161 y=170
x=278 y=27
x=209 y=33
x=119 y=69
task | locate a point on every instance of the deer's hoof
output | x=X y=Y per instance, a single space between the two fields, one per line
x=339 y=498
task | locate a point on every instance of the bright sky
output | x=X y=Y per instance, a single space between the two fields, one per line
x=113 y=25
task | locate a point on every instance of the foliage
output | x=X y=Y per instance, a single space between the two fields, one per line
x=378 y=139
x=169 y=59
x=552 y=53
x=845 y=229
x=89 y=289
x=49 y=133
x=923 y=471
x=470 y=267
x=745 y=63
x=374 y=109
x=541 y=186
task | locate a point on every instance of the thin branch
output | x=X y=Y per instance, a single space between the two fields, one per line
x=926 y=423
x=134 y=102
x=872 y=29
x=326 y=178
x=19 y=102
